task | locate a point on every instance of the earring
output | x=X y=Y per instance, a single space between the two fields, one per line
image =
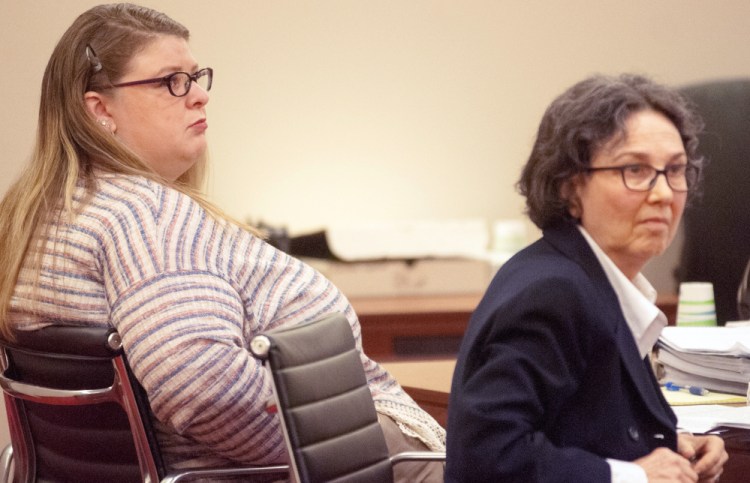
x=104 y=123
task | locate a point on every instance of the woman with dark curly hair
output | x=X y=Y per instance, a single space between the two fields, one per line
x=553 y=382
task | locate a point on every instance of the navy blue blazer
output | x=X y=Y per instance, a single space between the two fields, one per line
x=549 y=381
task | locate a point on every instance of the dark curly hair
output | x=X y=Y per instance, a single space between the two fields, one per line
x=583 y=119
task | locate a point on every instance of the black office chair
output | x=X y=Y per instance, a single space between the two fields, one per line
x=717 y=225
x=328 y=415
x=77 y=414
x=743 y=295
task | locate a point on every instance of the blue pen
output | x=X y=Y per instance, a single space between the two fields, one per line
x=695 y=390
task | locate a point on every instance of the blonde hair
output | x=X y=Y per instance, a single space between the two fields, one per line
x=93 y=52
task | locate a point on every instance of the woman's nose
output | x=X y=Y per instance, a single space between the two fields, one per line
x=661 y=188
x=197 y=95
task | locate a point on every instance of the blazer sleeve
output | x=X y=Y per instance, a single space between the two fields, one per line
x=522 y=359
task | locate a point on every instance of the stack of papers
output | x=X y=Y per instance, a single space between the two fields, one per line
x=702 y=419
x=716 y=358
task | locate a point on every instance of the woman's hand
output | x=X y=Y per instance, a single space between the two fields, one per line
x=664 y=465
x=706 y=453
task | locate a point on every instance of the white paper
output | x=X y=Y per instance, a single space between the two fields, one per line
x=702 y=419
x=716 y=358
x=375 y=240
x=723 y=340
x=732 y=368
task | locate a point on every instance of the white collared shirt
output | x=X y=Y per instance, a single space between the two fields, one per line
x=637 y=299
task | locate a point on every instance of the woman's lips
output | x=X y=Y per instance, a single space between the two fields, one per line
x=656 y=222
x=200 y=125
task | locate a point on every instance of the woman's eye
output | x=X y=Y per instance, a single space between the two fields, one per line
x=175 y=81
x=635 y=169
x=676 y=169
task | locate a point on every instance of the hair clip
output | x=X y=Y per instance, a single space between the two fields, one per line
x=96 y=64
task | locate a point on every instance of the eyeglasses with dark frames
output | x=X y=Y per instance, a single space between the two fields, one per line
x=178 y=83
x=642 y=177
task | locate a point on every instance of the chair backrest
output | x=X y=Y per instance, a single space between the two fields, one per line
x=743 y=295
x=77 y=413
x=327 y=412
x=73 y=408
x=717 y=225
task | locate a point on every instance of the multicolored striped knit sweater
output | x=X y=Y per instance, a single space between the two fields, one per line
x=187 y=293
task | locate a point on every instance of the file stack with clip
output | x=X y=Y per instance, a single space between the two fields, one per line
x=716 y=358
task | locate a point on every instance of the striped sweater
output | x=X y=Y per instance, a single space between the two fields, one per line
x=187 y=293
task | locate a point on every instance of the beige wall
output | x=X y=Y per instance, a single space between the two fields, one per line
x=325 y=111
x=385 y=109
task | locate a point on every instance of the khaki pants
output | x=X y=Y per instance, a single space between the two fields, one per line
x=408 y=472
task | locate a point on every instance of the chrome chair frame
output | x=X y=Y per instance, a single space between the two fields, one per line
x=18 y=459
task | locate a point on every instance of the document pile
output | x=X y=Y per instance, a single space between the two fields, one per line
x=716 y=358
x=703 y=419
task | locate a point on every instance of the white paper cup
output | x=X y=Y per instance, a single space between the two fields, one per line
x=696 y=306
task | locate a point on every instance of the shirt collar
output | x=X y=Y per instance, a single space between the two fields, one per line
x=637 y=299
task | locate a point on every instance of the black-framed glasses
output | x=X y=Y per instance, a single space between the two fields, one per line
x=642 y=177
x=178 y=83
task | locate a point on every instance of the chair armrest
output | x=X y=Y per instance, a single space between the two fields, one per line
x=417 y=456
x=45 y=395
x=6 y=464
x=190 y=474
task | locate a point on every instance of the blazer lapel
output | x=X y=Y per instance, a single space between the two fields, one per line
x=643 y=377
x=567 y=239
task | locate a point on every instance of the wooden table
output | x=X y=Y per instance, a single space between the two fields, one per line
x=395 y=327
x=428 y=326
x=429 y=383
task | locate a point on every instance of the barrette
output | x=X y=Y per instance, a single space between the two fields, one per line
x=96 y=64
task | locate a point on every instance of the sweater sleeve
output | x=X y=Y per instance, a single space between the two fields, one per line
x=183 y=335
x=182 y=319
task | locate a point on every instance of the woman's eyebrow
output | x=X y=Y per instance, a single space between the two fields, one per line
x=645 y=156
x=165 y=71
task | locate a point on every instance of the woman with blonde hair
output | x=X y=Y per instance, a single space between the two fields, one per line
x=107 y=227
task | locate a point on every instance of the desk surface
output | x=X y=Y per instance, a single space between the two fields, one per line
x=429 y=383
x=461 y=303
x=432 y=375
x=366 y=306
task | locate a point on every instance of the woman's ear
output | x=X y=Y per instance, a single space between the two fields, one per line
x=569 y=191
x=96 y=104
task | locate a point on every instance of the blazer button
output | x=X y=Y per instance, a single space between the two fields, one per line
x=633 y=433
